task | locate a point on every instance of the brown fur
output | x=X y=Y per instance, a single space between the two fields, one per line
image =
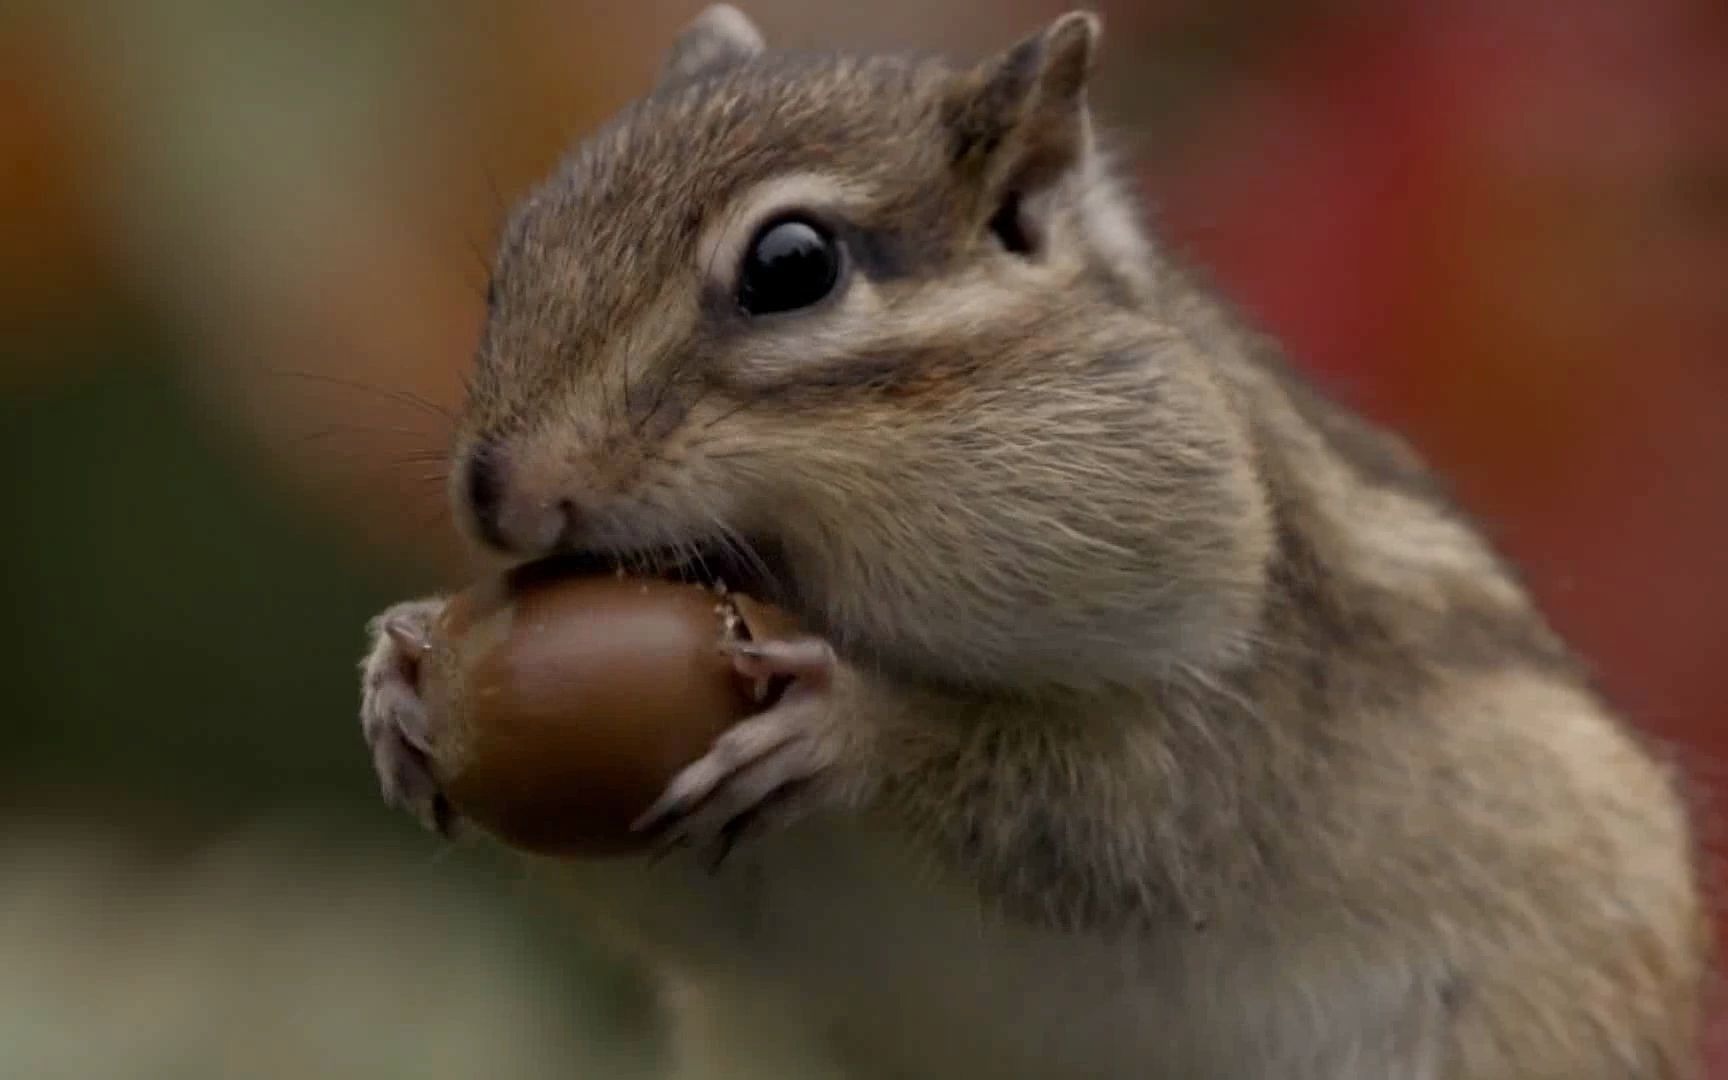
x=1158 y=643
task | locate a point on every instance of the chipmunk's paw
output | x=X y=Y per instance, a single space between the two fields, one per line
x=769 y=769
x=392 y=716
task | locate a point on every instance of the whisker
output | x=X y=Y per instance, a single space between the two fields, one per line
x=366 y=456
x=668 y=557
x=645 y=560
x=738 y=545
x=359 y=429
x=498 y=202
x=481 y=258
x=420 y=462
x=694 y=554
x=403 y=397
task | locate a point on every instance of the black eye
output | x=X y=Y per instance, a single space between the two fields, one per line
x=791 y=264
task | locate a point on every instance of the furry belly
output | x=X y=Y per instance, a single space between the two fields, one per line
x=824 y=949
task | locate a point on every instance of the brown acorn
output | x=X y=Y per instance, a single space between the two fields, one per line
x=561 y=706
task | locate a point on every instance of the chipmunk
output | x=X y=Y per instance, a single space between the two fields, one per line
x=1159 y=716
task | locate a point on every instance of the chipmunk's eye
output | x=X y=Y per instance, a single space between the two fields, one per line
x=791 y=264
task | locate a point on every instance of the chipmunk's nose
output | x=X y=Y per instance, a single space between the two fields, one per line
x=505 y=517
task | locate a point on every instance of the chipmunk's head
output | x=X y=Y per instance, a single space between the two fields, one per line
x=868 y=335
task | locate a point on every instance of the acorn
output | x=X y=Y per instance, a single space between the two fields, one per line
x=561 y=705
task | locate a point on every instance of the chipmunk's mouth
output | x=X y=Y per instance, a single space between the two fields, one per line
x=754 y=567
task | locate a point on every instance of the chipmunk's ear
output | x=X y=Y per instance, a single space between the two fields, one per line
x=715 y=40
x=1020 y=119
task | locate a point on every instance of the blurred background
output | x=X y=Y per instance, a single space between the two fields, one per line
x=242 y=251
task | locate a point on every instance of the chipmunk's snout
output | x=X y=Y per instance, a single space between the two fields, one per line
x=505 y=516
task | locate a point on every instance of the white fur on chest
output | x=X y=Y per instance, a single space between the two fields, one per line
x=825 y=944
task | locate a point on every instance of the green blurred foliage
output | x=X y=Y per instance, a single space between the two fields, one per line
x=176 y=631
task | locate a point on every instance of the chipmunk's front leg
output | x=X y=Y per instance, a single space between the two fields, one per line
x=798 y=755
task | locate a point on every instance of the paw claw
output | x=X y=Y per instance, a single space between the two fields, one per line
x=412 y=641
x=759 y=772
x=810 y=660
x=732 y=754
x=752 y=820
x=393 y=718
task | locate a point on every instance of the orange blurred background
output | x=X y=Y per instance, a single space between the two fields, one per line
x=240 y=277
